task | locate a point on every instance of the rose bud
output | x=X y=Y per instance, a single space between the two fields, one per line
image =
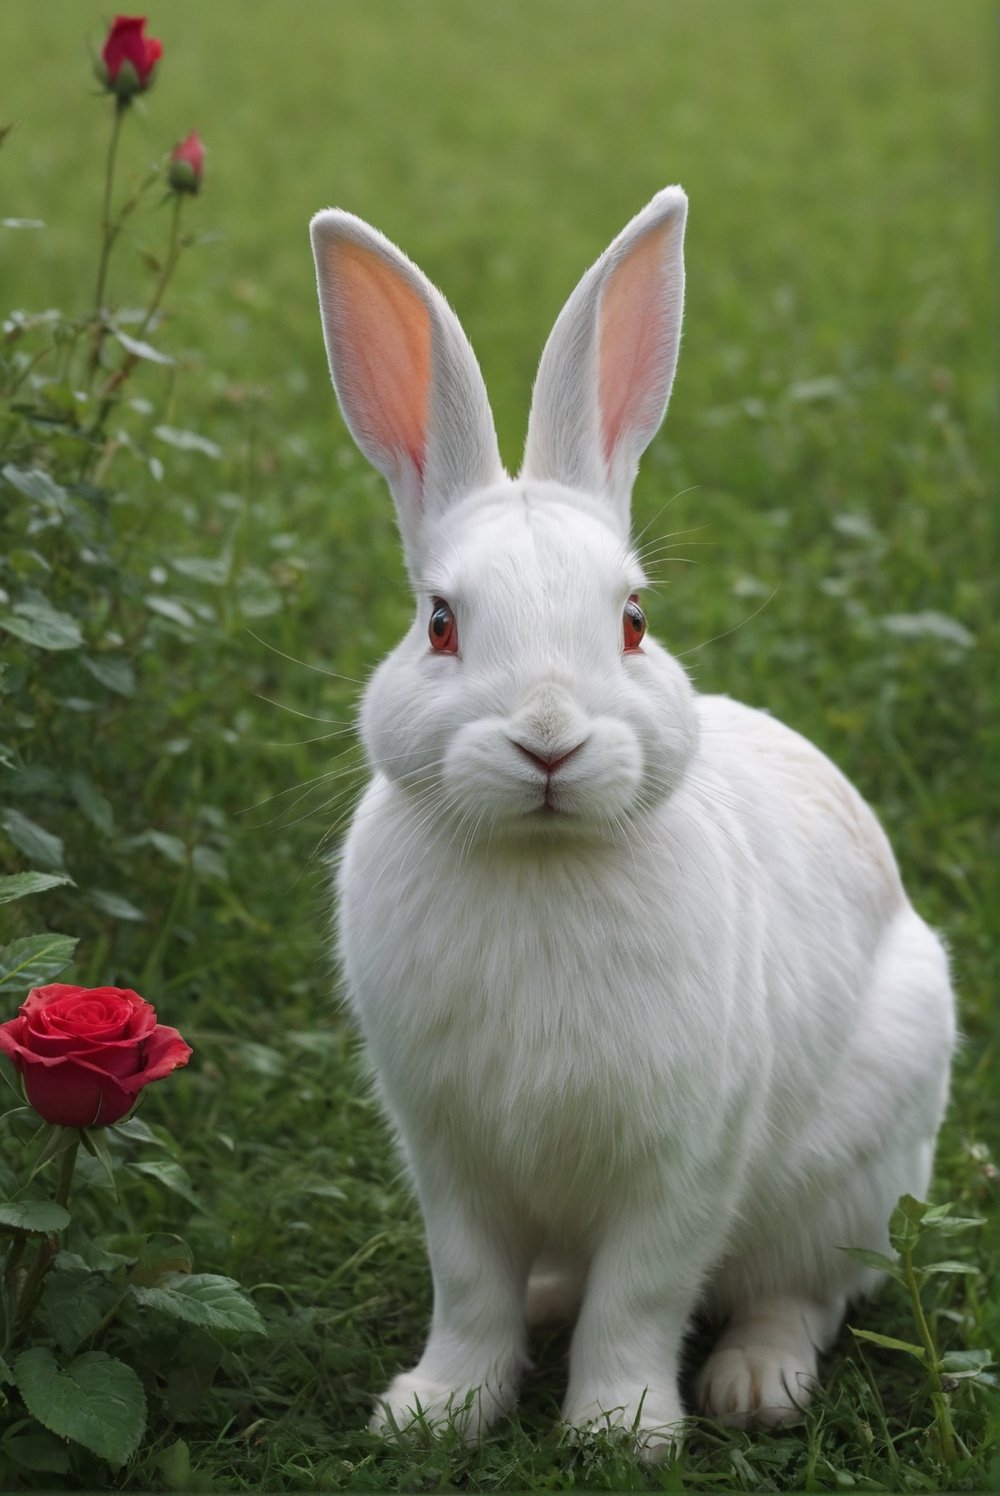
x=186 y=163
x=129 y=57
x=85 y=1053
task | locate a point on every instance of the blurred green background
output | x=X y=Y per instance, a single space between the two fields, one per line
x=829 y=460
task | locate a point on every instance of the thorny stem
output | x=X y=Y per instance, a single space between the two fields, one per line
x=942 y=1409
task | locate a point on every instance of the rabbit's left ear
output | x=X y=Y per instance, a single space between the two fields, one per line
x=607 y=368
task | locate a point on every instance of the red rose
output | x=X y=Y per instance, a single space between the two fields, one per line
x=85 y=1053
x=187 y=162
x=129 y=56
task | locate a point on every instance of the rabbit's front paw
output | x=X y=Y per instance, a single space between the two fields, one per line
x=653 y=1420
x=415 y=1407
x=760 y=1384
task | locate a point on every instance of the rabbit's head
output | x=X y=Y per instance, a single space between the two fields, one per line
x=526 y=698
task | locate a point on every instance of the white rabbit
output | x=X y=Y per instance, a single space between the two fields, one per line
x=643 y=995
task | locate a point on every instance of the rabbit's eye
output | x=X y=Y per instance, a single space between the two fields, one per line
x=442 y=632
x=633 y=625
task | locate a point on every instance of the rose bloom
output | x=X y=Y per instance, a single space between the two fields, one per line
x=85 y=1053
x=187 y=161
x=128 y=48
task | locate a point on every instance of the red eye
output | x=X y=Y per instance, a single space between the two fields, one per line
x=633 y=625
x=442 y=631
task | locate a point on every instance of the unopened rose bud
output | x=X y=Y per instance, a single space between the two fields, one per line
x=129 y=57
x=187 y=161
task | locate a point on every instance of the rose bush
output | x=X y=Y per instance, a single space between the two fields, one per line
x=85 y=1053
x=129 y=56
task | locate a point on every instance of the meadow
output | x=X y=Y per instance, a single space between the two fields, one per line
x=827 y=471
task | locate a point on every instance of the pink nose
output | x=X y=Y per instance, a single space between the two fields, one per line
x=548 y=763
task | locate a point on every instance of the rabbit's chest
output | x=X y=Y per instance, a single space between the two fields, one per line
x=530 y=1017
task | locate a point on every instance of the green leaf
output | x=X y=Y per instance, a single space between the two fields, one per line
x=40 y=624
x=19 y=885
x=169 y=607
x=965 y=1364
x=889 y=1343
x=211 y=569
x=113 y=671
x=36 y=484
x=40 y=1217
x=33 y=840
x=949 y=1267
x=37 y=1449
x=905 y=1223
x=187 y=441
x=115 y=905
x=96 y=1401
x=877 y=1260
x=175 y=1466
x=73 y=1305
x=139 y=349
x=953 y=1225
x=6 y=1375
x=204 y=1299
x=33 y=960
x=163 y=1256
x=95 y=806
x=169 y=1174
x=95 y=1140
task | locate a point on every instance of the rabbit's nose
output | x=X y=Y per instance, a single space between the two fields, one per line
x=548 y=763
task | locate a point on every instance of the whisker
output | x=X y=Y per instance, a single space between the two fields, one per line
x=332 y=674
x=725 y=634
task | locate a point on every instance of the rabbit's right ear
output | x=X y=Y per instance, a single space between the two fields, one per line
x=405 y=375
x=607 y=368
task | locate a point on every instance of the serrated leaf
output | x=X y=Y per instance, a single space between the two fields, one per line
x=95 y=806
x=20 y=885
x=40 y=624
x=115 y=905
x=889 y=1343
x=37 y=1450
x=112 y=671
x=96 y=1401
x=140 y=349
x=34 y=960
x=33 y=840
x=6 y=1375
x=204 y=1299
x=40 y=1217
x=187 y=441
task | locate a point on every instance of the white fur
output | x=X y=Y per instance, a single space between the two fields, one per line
x=659 y=1024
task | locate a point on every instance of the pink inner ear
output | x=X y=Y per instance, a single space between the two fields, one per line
x=382 y=350
x=633 y=347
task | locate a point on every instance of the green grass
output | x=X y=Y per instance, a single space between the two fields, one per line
x=829 y=458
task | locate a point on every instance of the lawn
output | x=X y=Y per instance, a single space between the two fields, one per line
x=827 y=468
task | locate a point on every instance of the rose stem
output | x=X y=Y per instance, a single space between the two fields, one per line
x=109 y=232
x=48 y=1247
x=107 y=391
